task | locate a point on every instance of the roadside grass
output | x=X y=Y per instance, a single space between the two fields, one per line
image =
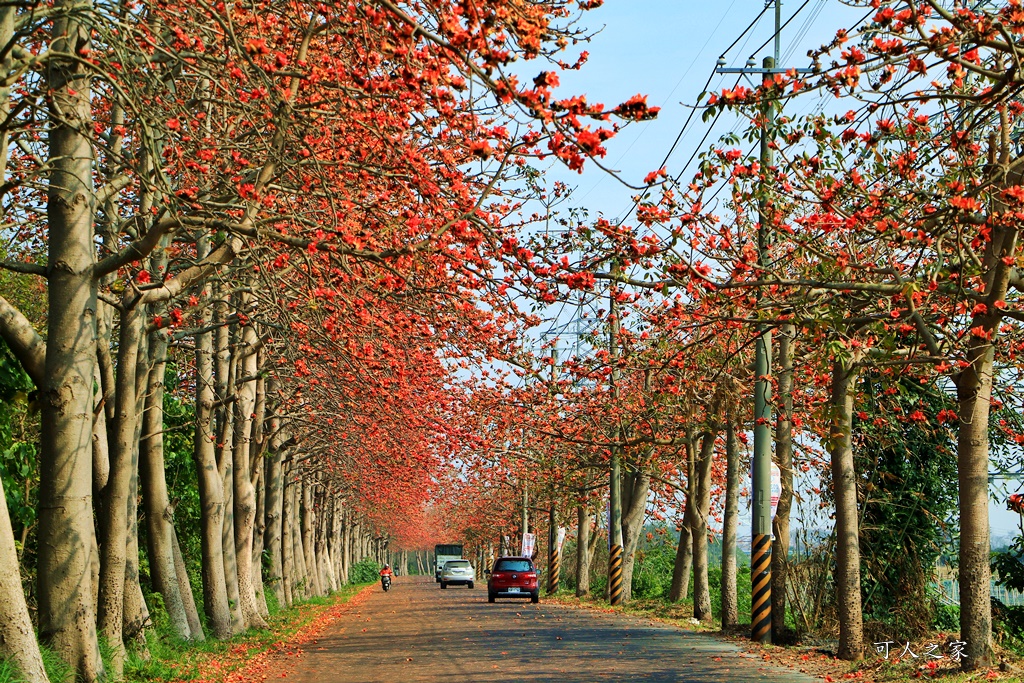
x=56 y=668
x=173 y=659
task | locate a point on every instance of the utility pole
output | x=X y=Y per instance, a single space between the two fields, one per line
x=525 y=523
x=615 y=477
x=554 y=554
x=761 y=513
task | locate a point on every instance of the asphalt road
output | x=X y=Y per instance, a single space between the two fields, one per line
x=417 y=632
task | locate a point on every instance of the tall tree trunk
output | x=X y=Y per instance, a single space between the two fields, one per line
x=17 y=637
x=699 y=528
x=159 y=512
x=683 y=564
x=244 y=491
x=211 y=492
x=583 y=531
x=274 y=510
x=635 y=487
x=844 y=481
x=101 y=475
x=288 y=579
x=66 y=614
x=257 y=451
x=226 y=374
x=684 y=550
x=784 y=460
x=308 y=532
x=195 y=626
x=346 y=544
x=257 y=544
x=113 y=551
x=730 y=605
x=974 y=392
x=135 y=614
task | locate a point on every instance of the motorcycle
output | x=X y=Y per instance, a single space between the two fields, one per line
x=385 y=582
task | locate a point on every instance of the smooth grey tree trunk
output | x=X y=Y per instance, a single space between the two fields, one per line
x=159 y=512
x=288 y=579
x=684 y=549
x=135 y=613
x=635 y=487
x=195 y=626
x=257 y=543
x=346 y=547
x=17 y=637
x=211 y=493
x=974 y=392
x=844 y=481
x=583 y=532
x=308 y=533
x=114 y=520
x=226 y=373
x=302 y=587
x=244 y=491
x=66 y=614
x=699 y=527
x=784 y=460
x=974 y=395
x=730 y=604
x=274 y=510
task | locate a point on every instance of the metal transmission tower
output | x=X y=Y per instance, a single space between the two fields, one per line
x=761 y=522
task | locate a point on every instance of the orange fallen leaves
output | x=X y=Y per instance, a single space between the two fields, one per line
x=245 y=663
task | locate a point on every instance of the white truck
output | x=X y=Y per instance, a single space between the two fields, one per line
x=442 y=553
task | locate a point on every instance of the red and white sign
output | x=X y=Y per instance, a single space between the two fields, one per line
x=776 y=487
x=560 y=539
x=528 y=542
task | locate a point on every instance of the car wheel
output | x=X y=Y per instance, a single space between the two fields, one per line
x=490 y=596
x=444 y=585
x=470 y=584
x=535 y=597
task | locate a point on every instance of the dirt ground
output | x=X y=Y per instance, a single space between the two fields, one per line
x=417 y=632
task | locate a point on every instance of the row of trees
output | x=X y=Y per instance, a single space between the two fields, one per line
x=876 y=240
x=286 y=216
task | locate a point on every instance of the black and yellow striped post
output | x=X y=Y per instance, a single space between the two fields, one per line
x=554 y=557
x=615 y=575
x=761 y=597
x=554 y=570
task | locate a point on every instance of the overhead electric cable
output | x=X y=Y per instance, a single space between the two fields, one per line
x=689 y=118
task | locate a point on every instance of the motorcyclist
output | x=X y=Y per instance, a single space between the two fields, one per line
x=386 y=572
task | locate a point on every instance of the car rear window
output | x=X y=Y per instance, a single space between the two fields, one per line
x=513 y=566
x=460 y=563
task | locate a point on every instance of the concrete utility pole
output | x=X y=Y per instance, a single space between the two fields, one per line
x=761 y=514
x=615 y=477
x=554 y=556
x=525 y=523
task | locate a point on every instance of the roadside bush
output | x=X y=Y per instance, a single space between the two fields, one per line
x=946 y=617
x=652 y=573
x=365 y=570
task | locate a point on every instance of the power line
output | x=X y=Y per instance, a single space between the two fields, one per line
x=689 y=118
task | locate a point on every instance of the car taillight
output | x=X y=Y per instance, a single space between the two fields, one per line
x=531 y=575
x=498 y=575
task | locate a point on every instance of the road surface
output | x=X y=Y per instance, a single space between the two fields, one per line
x=417 y=632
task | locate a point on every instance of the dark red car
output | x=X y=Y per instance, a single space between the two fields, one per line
x=513 y=577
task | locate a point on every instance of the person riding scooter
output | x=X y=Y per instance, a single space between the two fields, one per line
x=385 y=577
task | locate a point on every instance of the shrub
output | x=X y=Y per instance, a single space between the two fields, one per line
x=365 y=570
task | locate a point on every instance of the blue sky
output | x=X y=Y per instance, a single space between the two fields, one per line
x=667 y=50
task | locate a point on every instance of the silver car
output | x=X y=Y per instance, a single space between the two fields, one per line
x=457 y=573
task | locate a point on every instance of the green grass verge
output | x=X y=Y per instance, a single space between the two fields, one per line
x=172 y=659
